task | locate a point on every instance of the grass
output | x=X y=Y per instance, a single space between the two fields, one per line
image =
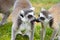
x=5 y=30
x=38 y=4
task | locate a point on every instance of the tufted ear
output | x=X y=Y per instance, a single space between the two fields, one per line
x=21 y=14
x=43 y=9
x=32 y=8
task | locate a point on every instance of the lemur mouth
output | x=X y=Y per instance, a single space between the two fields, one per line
x=33 y=21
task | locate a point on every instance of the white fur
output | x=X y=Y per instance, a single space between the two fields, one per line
x=42 y=9
x=32 y=8
x=26 y=27
x=22 y=11
x=25 y=19
x=50 y=15
x=32 y=13
x=41 y=15
x=46 y=21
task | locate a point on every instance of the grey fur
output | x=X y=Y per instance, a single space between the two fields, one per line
x=5 y=6
x=16 y=27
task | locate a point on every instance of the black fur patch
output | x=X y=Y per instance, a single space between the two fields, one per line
x=19 y=21
x=51 y=22
x=21 y=15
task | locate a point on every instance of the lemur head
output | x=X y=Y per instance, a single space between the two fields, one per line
x=45 y=16
x=27 y=15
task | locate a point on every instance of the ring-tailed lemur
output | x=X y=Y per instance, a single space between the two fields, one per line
x=24 y=24
x=51 y=17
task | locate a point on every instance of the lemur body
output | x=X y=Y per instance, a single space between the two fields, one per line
x=5 y=6
x=55 y=11
x=51 y=17
x=22 y=18
x=24 y=24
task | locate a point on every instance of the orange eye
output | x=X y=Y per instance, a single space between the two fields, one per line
x=42 y=18
x=30 y=16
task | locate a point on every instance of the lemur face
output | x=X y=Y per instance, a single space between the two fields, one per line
x=44 y=16
x=27 y=15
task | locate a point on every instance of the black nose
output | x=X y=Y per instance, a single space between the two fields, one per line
x=38 y=20
x=33 y=20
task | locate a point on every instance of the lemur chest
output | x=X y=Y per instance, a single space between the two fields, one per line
x=24 y=28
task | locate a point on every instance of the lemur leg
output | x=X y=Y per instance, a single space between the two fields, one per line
x=56 y=28
x=59 y=33
x=14 y=29
x=31 y=33
x=4 y=19
x=43 y=31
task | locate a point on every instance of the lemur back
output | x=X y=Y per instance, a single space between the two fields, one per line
x=55 y=11
x=5 y=5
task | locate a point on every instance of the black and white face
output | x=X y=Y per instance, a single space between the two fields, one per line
x=27 y=15
x=44 y=16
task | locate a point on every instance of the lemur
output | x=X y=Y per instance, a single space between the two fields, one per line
x=50 y=17
x=15 y=5
x=24 y=24
x=23 y=19
x=5 y=9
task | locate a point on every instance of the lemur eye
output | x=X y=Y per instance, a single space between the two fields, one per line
x=42 y=18
x=30 y=16
x=21 y=15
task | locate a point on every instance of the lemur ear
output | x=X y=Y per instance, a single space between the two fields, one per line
x=21 y=13
x=43 y=9
x=32 y=8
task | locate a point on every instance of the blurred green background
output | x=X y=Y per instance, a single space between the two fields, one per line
x=5 y=30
